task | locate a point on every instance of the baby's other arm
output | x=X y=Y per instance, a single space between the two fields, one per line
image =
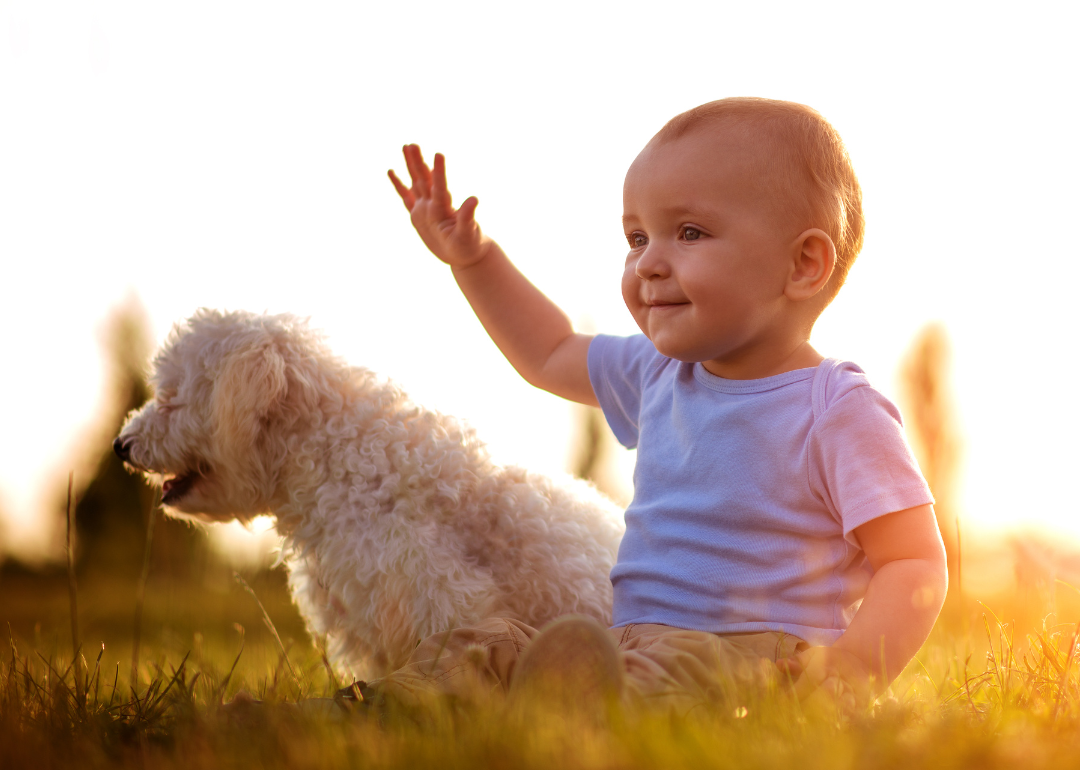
x=902 y=603
x=530 y=330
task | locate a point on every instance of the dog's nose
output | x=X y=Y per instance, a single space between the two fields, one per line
x=122 y=449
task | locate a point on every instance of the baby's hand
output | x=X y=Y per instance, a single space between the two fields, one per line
x=826 y=678
x=453 y=236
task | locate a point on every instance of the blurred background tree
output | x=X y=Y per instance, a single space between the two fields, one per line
x=593 y=455
x=4 y=534
x=589 y=448
x=930 y=419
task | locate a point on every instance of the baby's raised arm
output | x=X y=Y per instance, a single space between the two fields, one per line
x=530 y=330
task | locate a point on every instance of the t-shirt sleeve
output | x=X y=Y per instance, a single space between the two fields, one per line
x=617 y=369
x=860 y=461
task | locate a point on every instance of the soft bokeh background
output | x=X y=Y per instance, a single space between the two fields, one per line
x=233 y=155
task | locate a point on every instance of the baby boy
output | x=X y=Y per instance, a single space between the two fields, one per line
x=778 y=513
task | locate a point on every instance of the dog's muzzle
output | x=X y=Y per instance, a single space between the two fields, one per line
x=122 y=448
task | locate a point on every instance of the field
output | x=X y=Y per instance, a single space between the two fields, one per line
x=997 y=685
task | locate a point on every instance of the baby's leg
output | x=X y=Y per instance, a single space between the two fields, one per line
x=677 y=669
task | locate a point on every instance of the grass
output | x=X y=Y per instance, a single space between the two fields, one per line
x=996 y=686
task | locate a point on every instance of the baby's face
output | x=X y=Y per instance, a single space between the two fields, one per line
x=707 y=266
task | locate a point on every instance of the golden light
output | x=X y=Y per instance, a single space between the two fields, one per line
x=234 y=155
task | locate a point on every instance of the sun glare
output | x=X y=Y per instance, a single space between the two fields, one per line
x=234 y=156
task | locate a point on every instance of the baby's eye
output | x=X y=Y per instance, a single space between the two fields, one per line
x=691 y=233
x=637 y=240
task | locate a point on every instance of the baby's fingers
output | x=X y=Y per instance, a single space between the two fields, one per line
x=792 y=667
x=466 y=214
x=418 y=170
x=803 y=687
x=440 y=195
x=406 y=194
x=829 y=703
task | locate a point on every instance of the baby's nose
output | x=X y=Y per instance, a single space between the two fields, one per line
x=652 y=264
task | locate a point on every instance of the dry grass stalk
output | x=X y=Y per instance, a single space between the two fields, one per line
x=73 y=592
x=269 y=625
x=140 y=591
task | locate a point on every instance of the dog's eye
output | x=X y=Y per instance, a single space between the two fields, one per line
x=164 y=400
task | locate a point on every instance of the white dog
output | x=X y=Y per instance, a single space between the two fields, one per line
x=396 y=523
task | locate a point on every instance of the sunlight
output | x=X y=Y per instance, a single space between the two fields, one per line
x=251 y=547
x=234 y=156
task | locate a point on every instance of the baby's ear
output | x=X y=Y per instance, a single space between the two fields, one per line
x=250 y=385
x=814 y=259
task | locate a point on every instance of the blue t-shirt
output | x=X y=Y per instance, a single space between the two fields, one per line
x=746 y=492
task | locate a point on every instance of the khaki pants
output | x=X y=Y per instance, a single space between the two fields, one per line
x=663 y=666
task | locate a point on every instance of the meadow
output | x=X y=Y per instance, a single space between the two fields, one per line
x=997 y=685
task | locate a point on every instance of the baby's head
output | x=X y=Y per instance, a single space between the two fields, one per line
x=743 y=215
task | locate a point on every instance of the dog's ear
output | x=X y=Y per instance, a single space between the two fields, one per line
x=250 y=385
x=305 y=389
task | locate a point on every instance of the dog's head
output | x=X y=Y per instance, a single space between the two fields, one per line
x=231 y=388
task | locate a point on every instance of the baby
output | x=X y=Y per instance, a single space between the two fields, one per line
x=778 y=513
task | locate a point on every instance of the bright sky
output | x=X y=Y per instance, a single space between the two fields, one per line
x=233 y=154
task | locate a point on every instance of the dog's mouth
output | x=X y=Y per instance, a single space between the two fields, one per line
x=175 y=487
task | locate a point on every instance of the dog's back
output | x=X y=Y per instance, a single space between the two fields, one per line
x=397 y=524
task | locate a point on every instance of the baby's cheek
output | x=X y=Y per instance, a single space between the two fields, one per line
x=631 y=291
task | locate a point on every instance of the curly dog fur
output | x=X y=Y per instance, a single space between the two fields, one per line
x=396 y=523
